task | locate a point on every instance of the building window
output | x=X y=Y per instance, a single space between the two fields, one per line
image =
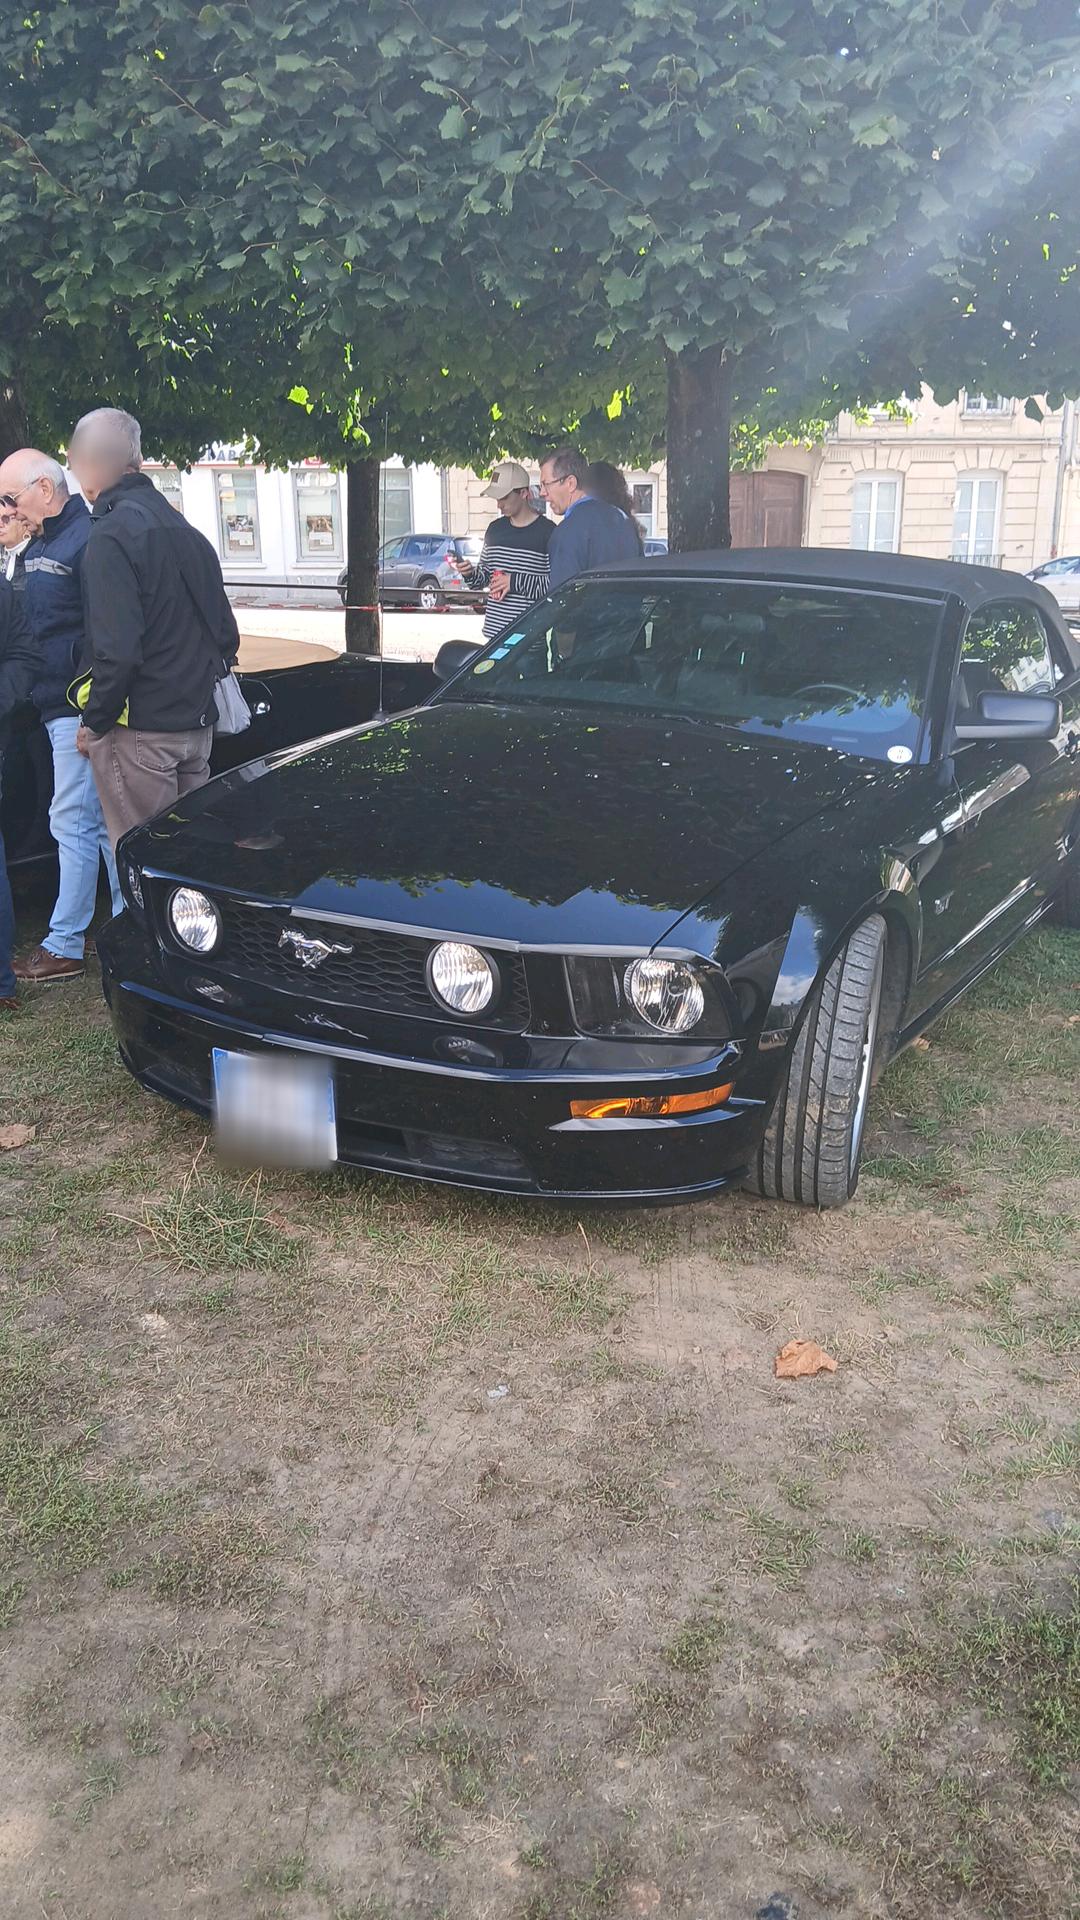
x=395 y=502
x=987 y=403
x=975 y=519
x=238 y=514
x=643 y=497
x=318 y=515
x=875 y=515
x=167 y=482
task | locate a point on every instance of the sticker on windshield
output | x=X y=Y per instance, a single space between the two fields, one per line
x=500 y=653
x=512 y=639
x=483 y=666
x=898 y=755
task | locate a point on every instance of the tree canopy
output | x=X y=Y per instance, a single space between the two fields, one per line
x=465 y=226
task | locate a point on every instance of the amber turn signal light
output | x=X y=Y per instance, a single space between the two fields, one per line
x=652 y=1106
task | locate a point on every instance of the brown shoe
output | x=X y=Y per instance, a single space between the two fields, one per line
x=40 y=967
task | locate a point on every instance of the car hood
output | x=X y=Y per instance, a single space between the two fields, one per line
x=539 y=827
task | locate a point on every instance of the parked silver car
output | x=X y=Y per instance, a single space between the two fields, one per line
x=424 y=570
x=1062 y=579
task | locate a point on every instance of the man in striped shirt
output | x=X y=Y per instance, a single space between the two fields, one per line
x=514 y=562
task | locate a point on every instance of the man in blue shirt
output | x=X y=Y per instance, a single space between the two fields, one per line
x=34 y=486
x=590 y=533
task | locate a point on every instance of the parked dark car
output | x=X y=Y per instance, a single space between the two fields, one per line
x=424 y=570
x=288 y=704
x=640 y=902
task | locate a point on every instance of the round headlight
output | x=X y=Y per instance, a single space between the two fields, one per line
x=666 y=993
x=194 y=919
x=461 y=977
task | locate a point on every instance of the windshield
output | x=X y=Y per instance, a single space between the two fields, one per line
x=820 y=664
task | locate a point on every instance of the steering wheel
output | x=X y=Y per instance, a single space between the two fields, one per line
x=829 y=686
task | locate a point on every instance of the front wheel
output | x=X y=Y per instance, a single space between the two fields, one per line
x=429 y=595
x=813 y=1142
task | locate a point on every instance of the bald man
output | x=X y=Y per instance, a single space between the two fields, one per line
x=160 y=628
x=34 y=489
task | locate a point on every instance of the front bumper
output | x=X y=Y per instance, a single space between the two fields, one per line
x=505 y=1129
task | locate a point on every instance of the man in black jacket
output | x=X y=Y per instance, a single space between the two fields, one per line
x=160 y=630
x=20 y=663
x=34 y=490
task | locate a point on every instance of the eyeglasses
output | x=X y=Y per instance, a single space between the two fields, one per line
x=12 y=499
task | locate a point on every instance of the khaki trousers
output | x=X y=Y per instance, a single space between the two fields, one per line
x=138 y=774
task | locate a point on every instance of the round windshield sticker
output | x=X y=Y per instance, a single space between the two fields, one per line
x=483 y=666
x=898 y=755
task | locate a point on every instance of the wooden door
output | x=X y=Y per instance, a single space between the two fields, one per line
x=767 y=509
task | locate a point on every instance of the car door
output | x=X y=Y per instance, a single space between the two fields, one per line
x=1015 y=801
x=391 y=567
x=416 y=561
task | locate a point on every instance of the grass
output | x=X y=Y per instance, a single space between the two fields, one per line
x=1022 y=1665
x=62 y=1511
x=624 y=1496
x=217 y=1559
x=546 y=1638
x=777 y=1550
x=860 y=1547
x=695 y=1647
x=213 y=1224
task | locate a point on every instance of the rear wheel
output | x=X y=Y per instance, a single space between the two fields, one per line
x=429 y=594
x=813 y=1143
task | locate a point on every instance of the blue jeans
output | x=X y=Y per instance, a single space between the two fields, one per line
x=78 y=827
x=7 y=918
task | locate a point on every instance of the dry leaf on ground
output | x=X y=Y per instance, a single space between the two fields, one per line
x=800 y=1358
x=16 y=1136
x=922 y=1044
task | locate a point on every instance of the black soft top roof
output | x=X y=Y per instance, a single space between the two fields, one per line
x=843 y=567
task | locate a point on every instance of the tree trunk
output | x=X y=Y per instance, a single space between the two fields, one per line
x=363 y=633
x=14 y=428
x=699 y=450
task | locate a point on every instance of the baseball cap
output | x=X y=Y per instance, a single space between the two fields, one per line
x=506 y=476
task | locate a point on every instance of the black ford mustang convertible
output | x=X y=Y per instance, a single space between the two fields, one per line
x=639 y=903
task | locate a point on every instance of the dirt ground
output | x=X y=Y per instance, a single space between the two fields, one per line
x=370 y=1550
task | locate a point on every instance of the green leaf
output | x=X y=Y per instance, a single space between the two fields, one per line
x=453 y=123
x=767 y=193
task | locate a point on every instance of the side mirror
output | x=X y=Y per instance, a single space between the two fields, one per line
x=453 y=657
x=1011 y=716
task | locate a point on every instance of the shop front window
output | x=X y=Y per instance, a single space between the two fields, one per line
x=318 y=515
x=167 y=482
x=238 y=514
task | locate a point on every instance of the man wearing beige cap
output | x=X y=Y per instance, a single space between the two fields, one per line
x=514 y=563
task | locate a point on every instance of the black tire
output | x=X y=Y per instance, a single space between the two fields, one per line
x=813 y=1142
x=1066 y=907
x=433 y=591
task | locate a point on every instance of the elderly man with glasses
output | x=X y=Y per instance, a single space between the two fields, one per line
x=34 y=491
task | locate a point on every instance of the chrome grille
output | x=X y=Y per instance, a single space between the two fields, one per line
x=381 y=969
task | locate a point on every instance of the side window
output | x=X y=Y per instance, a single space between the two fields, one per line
x=393 y=550
x=1005 y=651
x=416 y=549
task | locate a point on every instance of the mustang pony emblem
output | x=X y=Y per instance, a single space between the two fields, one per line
x=310 y=953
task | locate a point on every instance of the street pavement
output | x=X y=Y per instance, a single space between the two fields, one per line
x=284 y=636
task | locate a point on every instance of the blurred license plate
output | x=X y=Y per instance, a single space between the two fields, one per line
x=274 y=1109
